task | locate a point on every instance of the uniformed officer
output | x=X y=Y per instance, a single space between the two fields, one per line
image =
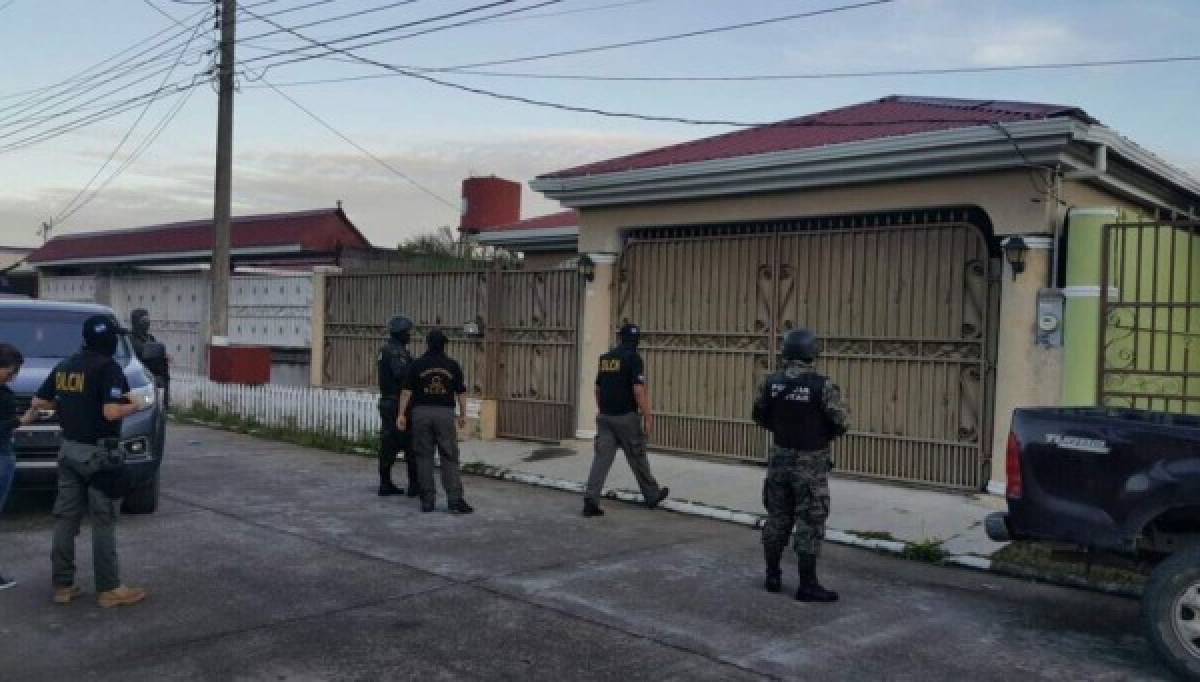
x=435 y=383
x=804 y=412
x=624 y=421
x=139 y=322
x=89 y=392
x=393 y=365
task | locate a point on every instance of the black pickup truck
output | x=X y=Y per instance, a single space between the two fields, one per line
x=1125 y=481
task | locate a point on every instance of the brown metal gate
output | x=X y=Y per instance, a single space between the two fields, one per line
x=525 y=358
x=539 y=316
x=1150 y=316
x=903 y=303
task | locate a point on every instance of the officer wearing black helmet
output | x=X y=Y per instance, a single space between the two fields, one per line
x=393 y=364
x=804 y=412
x=435 y=384
x=624 y=421
x=91 y=396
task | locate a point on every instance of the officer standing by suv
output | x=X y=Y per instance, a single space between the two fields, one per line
x=393 y=364
x=804 y=412
x=91 y=396
x=435 y=384
x=624 y=421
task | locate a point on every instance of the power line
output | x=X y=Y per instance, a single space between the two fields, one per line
x=67 y=209
x=936 y=71
x=576 y=51
x=676 y=36
x=91 y=119
x=362 y=149
x=142 y=147
x=576 y=108
x=330 y=20
x=378 y=31
x=85 y=72
x=580 y=10
x=88 y=82
x=435 y=29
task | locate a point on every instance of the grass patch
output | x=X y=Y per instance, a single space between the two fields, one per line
x=929 y=550
x=1050 y=561
x=874 y=535
x=366 y=446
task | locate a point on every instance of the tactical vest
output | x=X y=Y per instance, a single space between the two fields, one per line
x=798 y=419
x=389 y=383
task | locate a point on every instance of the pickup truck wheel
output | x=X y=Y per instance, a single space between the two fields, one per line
x=1171 y=612
x=142 y=500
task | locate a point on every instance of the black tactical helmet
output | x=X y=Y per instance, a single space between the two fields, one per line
x=630 y=332
x=399 y=327
x=436 y=340
x=139 y=320
x=800 y=344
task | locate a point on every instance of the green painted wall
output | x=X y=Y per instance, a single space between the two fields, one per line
x=1081 y=316
x=1152 y=345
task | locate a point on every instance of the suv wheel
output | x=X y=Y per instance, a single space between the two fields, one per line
x=1171 y=612
x=143 y=499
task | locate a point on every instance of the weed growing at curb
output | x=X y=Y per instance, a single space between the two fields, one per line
x=929 y=550
x=290 y=433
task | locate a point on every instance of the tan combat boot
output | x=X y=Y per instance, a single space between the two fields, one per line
x=122 y=596
x=66 y=595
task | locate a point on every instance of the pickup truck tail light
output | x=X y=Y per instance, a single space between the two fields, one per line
x=1012 y=468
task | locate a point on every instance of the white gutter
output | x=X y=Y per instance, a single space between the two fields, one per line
x=521 y=235
x=173 y=255
x=975 y=149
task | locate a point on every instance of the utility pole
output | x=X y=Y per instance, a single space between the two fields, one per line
x=223 y=194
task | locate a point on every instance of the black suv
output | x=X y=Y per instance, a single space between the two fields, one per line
x=46 y=332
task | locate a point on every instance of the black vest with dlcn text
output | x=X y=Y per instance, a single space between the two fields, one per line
x=798 y=419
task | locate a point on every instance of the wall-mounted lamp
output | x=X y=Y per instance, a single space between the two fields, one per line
x=1015 y=249
x=586 y=267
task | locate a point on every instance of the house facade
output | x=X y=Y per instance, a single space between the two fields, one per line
x=888 y=227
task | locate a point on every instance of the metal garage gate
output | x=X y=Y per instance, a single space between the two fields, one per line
x=539 y=316
x=903 y=303
x=526 y=357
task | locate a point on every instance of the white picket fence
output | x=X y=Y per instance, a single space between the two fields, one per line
x=353 y=415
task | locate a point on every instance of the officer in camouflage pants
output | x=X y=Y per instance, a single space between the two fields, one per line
x=804 y=412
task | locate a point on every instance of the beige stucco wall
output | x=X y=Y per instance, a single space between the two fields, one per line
x=1027 y=373
x=1009 y=198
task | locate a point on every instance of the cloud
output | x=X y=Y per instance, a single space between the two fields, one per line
x=385 y=207
x=1026 y=43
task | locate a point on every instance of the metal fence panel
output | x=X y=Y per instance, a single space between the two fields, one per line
x=1150 y=316
x=903 y=305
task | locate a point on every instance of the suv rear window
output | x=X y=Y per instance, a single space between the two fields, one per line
x=47 y=333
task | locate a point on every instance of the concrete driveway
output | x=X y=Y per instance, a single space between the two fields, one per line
x=272 y=562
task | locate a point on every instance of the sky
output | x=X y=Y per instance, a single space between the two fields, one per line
x=435 y=136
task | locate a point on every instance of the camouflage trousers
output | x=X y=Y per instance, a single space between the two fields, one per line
x=796 y=495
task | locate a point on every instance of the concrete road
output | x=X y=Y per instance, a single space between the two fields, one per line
x=270 y=562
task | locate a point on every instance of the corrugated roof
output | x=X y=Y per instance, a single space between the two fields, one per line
x=561 y=219
x=887 y=117
x=319 y=231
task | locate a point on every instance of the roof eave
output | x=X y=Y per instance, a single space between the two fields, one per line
x=545 y=239
x=975 y=149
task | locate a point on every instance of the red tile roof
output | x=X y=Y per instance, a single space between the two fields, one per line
x=561 y=219
x=320 y=231
x=888 y=117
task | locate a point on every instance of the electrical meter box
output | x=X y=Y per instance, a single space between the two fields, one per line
x=1050 y=317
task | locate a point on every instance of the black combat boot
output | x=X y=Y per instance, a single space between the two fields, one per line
x=774 y=581
x=590 y=508
x=810 y=589
x=663 y=493
x=386 y=487
x=460 y=507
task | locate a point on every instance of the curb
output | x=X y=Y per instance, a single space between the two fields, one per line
x=755 y=522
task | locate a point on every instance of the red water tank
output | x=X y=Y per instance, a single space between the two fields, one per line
x=240 y=364
x=489 y=201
